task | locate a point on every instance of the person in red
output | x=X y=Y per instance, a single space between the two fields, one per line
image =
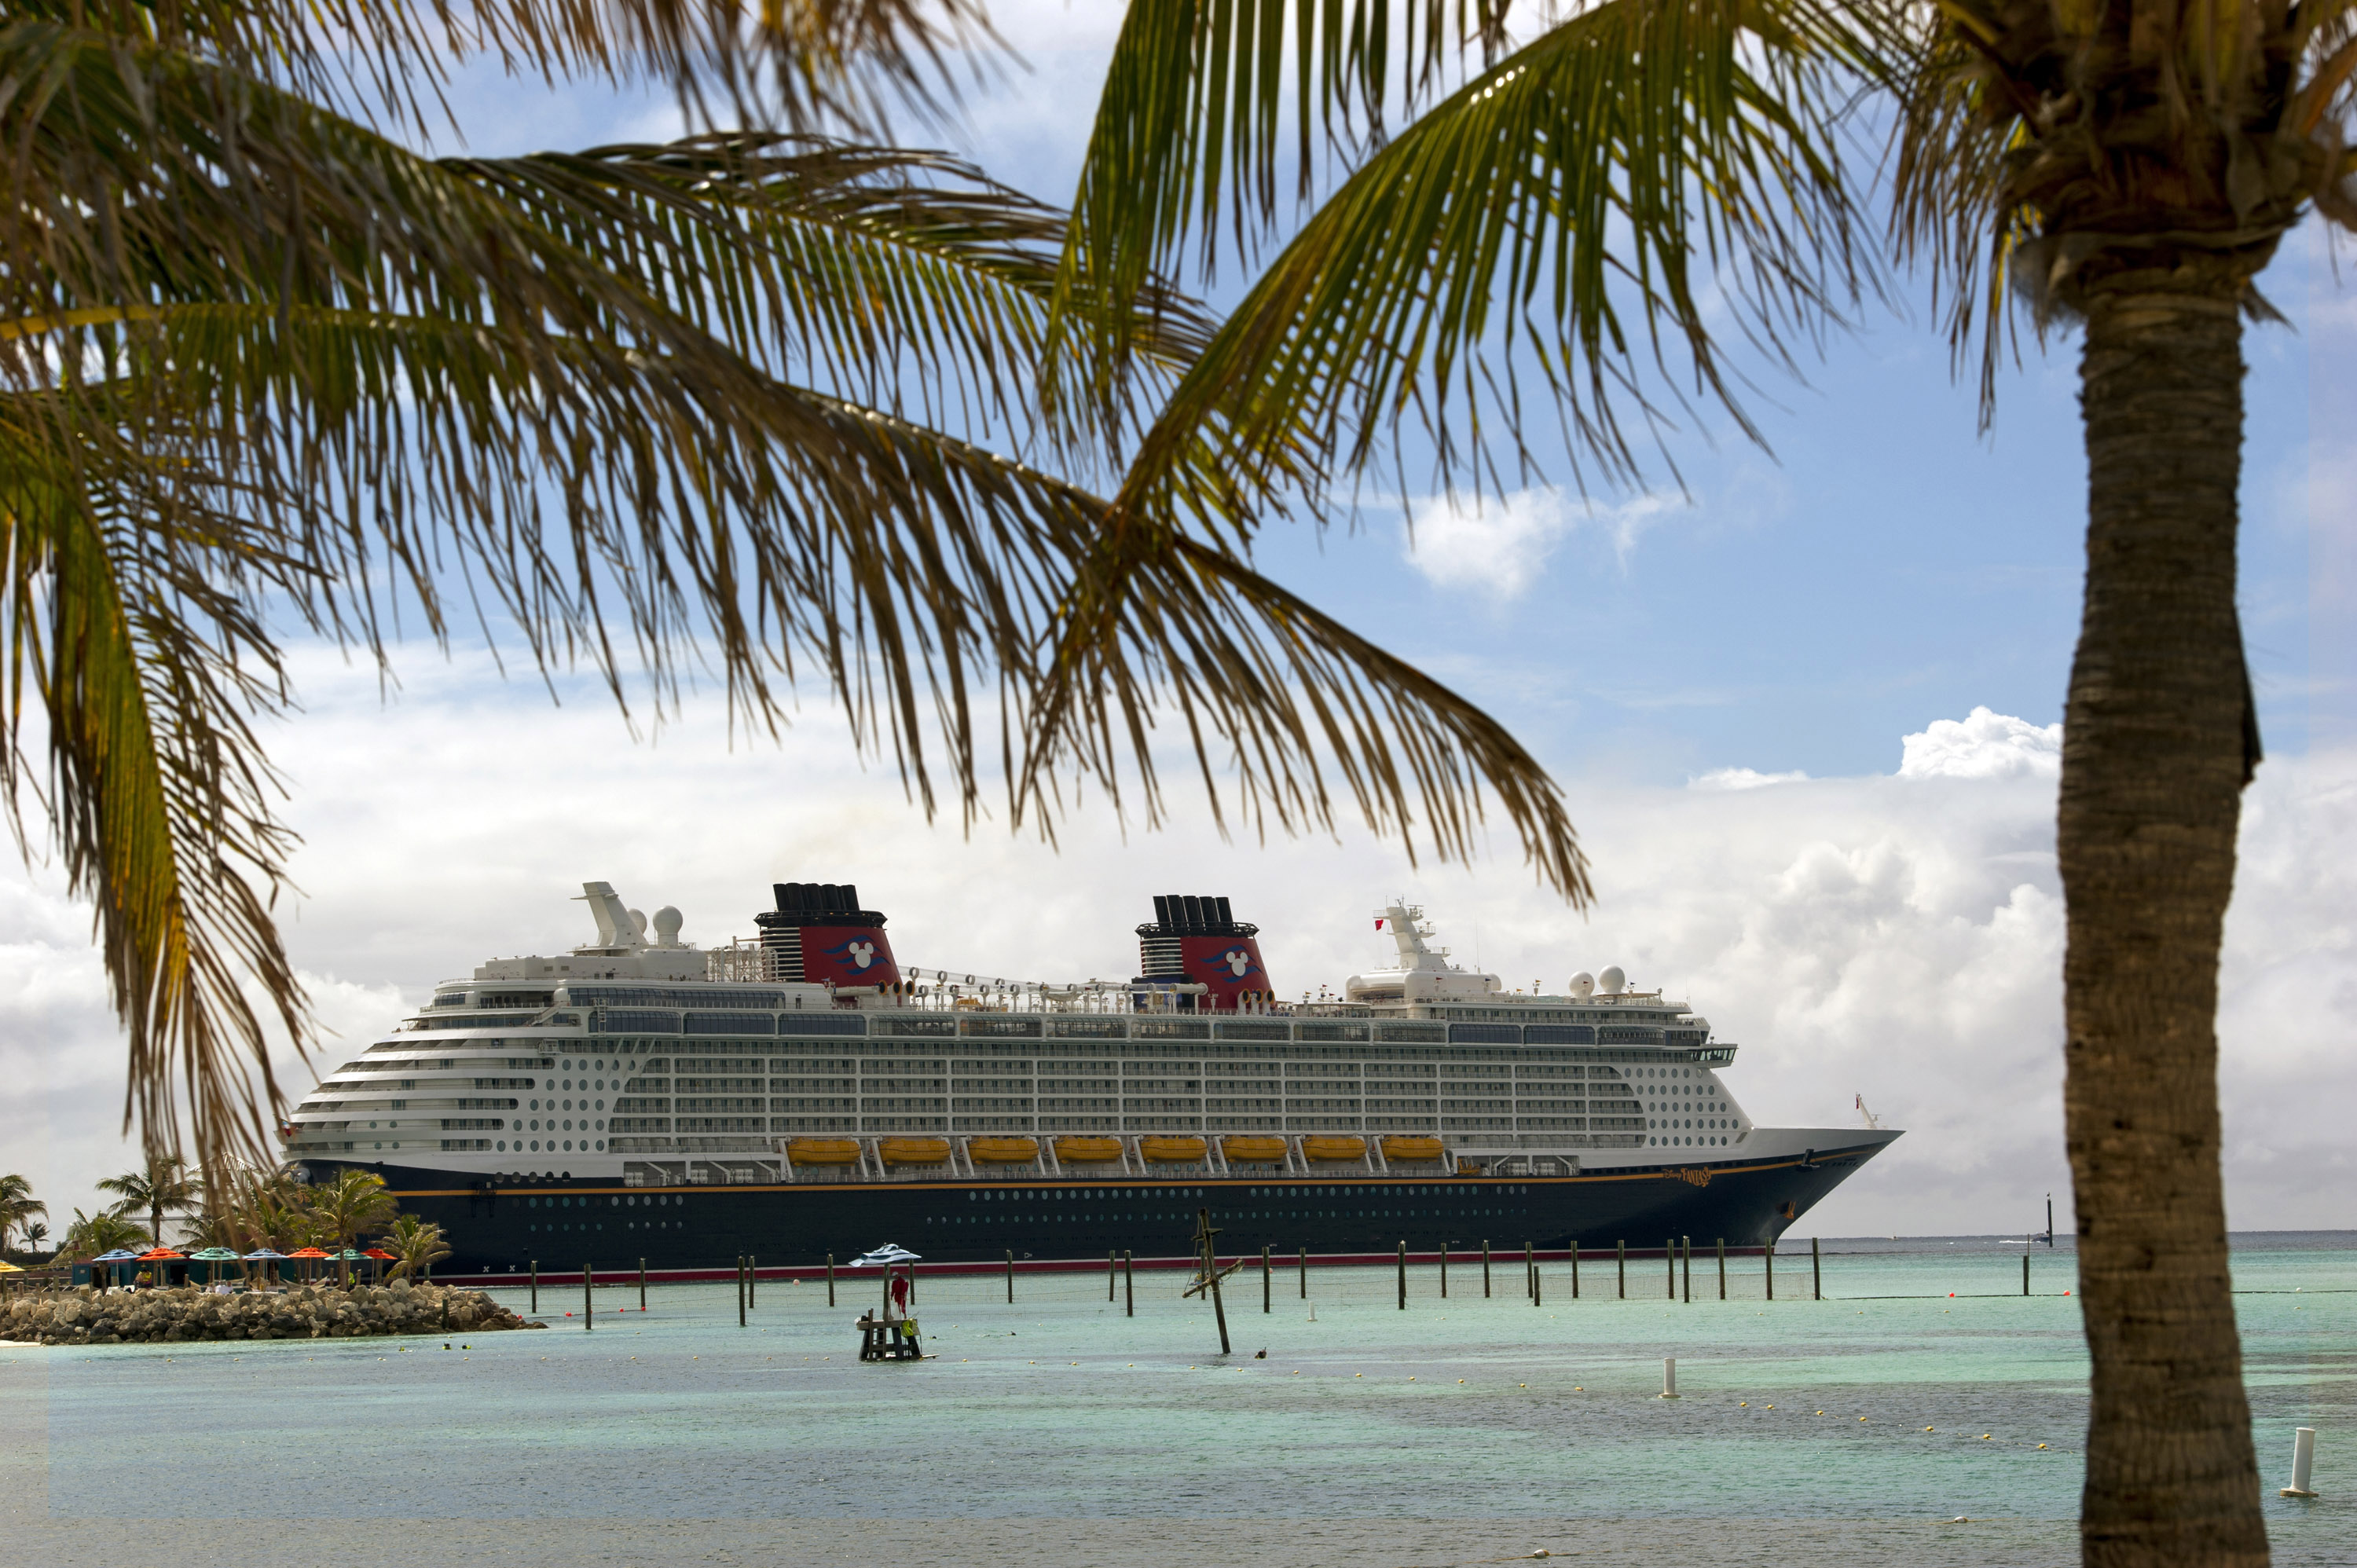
x=900 y=1294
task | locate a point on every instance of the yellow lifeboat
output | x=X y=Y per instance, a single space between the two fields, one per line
x=1088 y=1151
x=1171 y=1150
x=1411 y=1148
x=1002 y=1151
x=916 y=1151
x=1253 y=1151
x=822 y=1151
x=1331 y=1149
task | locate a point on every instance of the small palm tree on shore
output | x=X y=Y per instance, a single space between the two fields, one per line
x=163 y=1187
x=17 y=1206
x=105 y=1231
x=417 y=1245
x=349 y=1207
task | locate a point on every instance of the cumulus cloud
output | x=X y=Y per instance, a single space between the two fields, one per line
x=1866 y=935
x=1983 y=745
x=1500 y=545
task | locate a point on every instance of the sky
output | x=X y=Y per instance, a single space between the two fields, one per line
x=1805 y=711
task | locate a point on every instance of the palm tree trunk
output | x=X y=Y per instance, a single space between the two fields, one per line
x=2159 y=740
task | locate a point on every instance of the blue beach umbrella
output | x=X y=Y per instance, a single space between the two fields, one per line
x=118 y=1256
x=264 y=1255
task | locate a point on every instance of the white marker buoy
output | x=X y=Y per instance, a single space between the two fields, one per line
x=2303 y=1463
x=1669 y=1377
x=1313 y=1312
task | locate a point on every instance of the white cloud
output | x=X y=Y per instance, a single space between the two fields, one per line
x=1983 y=745
x=1743 y=779
x=1855 y=936
x=1500 y=545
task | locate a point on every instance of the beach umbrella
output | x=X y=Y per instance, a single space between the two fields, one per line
x=120 y=1255
x=265 y=1255
x=213 y=1257
x=380 y=1257
x=159 y=1256
x=309 y=1255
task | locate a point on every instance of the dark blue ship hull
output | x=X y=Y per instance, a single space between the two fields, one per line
x=504 y=1228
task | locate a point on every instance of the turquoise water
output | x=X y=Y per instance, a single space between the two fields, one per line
x=1462 y=1429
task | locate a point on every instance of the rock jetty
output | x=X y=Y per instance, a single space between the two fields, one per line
x=307 y=1312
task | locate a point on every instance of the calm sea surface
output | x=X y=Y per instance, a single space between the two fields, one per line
x=1060 y=1431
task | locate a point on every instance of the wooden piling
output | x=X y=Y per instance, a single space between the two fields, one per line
x=1670 y=1251
x=588 y=1302
x=1817 y=1272
x=1010 y=1276
x=1444 y=1271
x=2025 y=1272
x=740 y=1290
x=753 y=1280
x=1128 y=1283
x=1686 y=1267
x=1305 y=1273
x=1113 y=1272
x=1722 y=1268
x=643 y=1284
x=1267 y=1276
x=830 y=1279
x=1403 y=1276
x=1530 y=1273
x=1768 y=1266
x=1620 y=1258
x=1574 y=1268
x=1485 y=1270
x=535 y=1285
x=1538 y=1288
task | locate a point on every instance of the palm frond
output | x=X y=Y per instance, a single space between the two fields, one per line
x=127 y=635
x=1572 y=209
x=850 y=64
x=1267 y=687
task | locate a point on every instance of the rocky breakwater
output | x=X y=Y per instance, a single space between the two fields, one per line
x=309 y=1312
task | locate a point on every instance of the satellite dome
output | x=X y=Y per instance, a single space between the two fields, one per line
x=1613 y=981
x=1583 y=985
x=667 y=923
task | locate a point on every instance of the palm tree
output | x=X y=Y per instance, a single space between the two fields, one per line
x=354 y=1203
x=17 y=1206
x=105 y=1231
x=163 y=1188
x=778 y=401
x=1542 y=220
x=418 y=1244
x=35 y=1234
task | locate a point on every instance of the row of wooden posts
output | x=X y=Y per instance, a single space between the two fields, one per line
x=1121 y=1274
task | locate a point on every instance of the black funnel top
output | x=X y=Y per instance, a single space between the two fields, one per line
x=817 y=904
x=1194 y=915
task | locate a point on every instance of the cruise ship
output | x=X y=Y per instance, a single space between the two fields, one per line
x=800 y=1096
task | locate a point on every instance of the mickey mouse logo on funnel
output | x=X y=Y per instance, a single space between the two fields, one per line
x=819 y=933
x=1198 y=941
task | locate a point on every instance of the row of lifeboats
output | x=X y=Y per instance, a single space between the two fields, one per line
x=1082 y=1151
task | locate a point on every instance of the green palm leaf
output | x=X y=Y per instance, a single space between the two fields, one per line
x=1558 y=212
